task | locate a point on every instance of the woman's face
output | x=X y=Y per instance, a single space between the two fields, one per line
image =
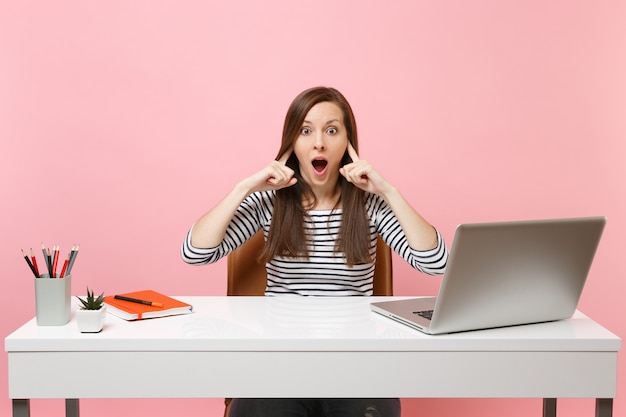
x=322 y=142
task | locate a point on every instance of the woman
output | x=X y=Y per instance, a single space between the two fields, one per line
x=321 y=206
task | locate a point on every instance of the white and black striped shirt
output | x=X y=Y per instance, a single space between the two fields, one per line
x=325 y=272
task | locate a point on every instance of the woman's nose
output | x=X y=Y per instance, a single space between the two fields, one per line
x=318 y=143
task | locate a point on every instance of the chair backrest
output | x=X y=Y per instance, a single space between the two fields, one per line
x=246 y=276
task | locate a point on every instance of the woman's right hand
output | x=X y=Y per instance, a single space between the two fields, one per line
x=210 y=229
x=275 y=176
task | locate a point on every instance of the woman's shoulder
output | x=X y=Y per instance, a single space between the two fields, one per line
x=261 y=196
x=258 y=205
x=374 y=202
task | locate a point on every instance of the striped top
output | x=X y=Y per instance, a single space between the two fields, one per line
x=324 y=272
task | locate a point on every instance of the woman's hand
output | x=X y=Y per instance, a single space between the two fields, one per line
x=209 y=230
x=419 y=233
x=363 y=175
x=275 y=176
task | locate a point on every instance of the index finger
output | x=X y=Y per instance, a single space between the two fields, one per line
x=352 y=153
x=285 y=157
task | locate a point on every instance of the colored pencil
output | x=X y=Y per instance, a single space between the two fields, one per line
x=30 y=264
x=32 y=257
x=73 y=256
x=49 y=257
x=65 y=264
x=46 y=258
x=55 y=261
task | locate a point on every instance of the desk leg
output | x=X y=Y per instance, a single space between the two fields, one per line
x=604 y=407
x=71 y=407
x=21 y=408
x=549 y=407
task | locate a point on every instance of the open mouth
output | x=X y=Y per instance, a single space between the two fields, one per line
x=319 y=165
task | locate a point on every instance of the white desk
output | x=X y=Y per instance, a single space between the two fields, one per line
x=288 y=347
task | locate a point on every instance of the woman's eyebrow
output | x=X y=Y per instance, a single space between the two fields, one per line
x=327 y=122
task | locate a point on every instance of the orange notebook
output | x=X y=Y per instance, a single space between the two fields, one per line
x=129 y=310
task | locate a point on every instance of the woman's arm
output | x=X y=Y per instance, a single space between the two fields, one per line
x=209 y=230
x=419 y=233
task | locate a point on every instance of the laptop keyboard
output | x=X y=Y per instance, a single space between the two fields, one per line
x=427 y=314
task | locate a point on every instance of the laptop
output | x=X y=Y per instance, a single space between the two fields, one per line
x=505 y=274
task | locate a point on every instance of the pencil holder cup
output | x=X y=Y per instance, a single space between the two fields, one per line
x=52 y=300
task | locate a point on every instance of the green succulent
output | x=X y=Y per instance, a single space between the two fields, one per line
x=91 y=302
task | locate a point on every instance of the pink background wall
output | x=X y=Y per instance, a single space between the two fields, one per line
x=122 y=121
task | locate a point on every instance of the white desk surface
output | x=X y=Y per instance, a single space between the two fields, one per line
x=309 y=347
x=301 y=323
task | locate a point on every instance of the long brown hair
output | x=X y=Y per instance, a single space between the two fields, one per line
x=287 y=236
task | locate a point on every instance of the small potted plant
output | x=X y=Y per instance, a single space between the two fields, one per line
x=90 y=317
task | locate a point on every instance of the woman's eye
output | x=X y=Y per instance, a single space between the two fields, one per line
x=331 y=130
x=305 y=131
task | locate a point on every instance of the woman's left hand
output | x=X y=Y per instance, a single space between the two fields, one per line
x=363 y=175
x=419 y=233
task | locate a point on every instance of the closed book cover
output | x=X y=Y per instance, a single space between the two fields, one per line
x=129 y=310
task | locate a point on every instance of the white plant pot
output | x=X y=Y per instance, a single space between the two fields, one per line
x=90 y=321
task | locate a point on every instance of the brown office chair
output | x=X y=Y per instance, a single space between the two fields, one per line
x=246 y=276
